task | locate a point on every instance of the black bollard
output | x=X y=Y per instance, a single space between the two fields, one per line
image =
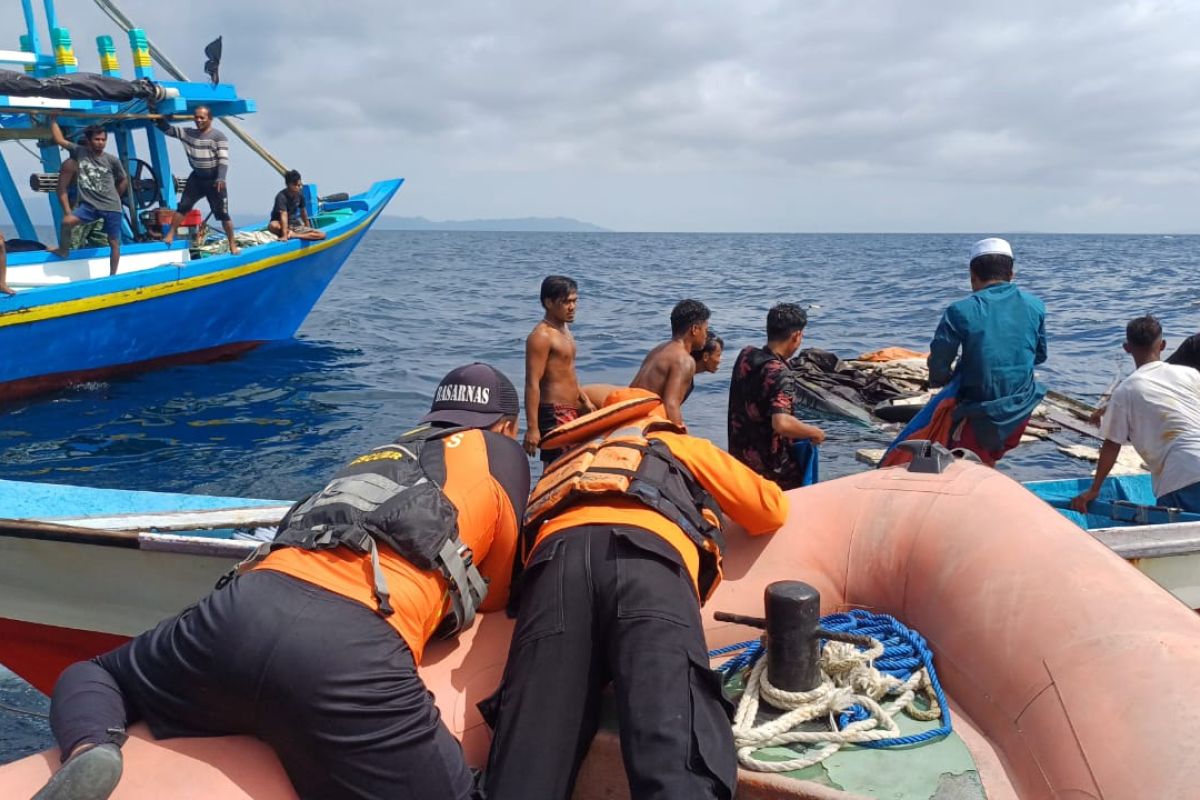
x=793 y=649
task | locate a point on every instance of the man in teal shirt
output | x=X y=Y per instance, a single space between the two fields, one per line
x=1001 y=333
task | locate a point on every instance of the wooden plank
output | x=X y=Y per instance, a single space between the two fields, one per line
x=1069 y=404
x=869 y=456
x=209 y=519
x=1070 y=422
x=1151 y=541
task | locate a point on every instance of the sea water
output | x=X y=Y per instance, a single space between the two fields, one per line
x=408 y=306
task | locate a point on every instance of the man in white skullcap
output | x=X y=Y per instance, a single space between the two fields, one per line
x=998 y=334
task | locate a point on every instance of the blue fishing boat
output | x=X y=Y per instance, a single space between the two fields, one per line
x=70 y=321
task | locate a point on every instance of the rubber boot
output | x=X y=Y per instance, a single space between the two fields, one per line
x=90 y=775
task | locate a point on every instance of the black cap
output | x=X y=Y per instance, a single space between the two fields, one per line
x=474 y=396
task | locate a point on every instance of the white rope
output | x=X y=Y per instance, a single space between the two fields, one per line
x=849 y=679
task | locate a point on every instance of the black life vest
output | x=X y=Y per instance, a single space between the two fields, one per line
x=391 y=496
x=624 y=462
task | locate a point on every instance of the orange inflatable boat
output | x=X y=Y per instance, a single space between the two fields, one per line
x=1069 y=672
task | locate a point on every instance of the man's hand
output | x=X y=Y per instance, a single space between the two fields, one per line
x=817 y=437
x=220 y=186
x=1080 y=501
x=533 y=438
x=1096 y=416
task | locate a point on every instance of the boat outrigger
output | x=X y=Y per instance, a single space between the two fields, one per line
x=70 y=321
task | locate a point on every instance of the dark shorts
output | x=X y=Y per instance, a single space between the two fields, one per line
x=198 y=186
x=294 y=223
x=1187 y=498
x=550 y=416
x=87 y=213
x=327 y=683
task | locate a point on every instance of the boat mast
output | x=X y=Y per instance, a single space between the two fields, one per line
x=117 y=16
x=34 y=45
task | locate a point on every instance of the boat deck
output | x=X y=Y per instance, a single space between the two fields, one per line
x=963 y=766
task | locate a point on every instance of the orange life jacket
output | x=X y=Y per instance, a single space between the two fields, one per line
x=612 y=455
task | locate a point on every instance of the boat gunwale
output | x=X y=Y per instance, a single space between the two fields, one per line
x=59 y=300
x=1150 y=541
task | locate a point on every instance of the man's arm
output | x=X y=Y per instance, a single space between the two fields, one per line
x=1114 y=427
x=787 y=426
x=510 y=488
x=585 y=402
x=779 y=388
x=168 y=129
x=283 y=226
x=679 y=375
x=65 y=176
x=537 y=352
x=222 y=161
x=59 y=139
x=1108 y=457
x=1041 y=352
x=120 y=177
x=750 y=500
x=942 y=352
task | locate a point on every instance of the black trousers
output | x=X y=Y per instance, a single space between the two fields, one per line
x=321 y=679
x=605 y=604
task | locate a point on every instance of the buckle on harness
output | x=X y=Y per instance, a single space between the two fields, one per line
x=467 y=587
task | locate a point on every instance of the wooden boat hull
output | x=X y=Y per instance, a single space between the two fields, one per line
x=62 y=601
x=57 y=335
x=1041 y=637
x=1166 y=552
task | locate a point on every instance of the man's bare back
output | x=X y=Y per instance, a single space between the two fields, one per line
x=667 y=371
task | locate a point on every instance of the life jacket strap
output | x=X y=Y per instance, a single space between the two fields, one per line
x=467 y=586
x=382 y=595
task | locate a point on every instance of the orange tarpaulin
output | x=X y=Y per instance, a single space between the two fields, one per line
x=891 y=354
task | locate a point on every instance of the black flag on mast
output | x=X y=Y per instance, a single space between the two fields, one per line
x=213 y=65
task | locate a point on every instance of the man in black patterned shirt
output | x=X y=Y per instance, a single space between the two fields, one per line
x=762 y=427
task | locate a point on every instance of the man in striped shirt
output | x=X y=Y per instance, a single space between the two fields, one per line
x=208 y=153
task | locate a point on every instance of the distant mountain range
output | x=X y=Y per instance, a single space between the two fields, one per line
x=41 y=217
x=542 y=224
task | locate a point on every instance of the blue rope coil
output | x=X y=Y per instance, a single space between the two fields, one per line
x=904 y=652
x=752 y=649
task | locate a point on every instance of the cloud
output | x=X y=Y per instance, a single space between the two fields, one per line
x=538 y=104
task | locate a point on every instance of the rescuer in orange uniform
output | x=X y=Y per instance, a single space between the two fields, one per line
x=625 y=545
x=313 y=646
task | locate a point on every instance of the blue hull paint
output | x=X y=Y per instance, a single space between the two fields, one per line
x=262 y=305
x=1132 y=493
x=47 y=501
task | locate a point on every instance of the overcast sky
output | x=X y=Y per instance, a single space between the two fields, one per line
x=800 y=115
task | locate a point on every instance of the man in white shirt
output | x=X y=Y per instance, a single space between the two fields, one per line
x=1157 y=410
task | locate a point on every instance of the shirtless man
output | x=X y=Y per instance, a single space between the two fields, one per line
x=552 y=392
x=668 y=370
